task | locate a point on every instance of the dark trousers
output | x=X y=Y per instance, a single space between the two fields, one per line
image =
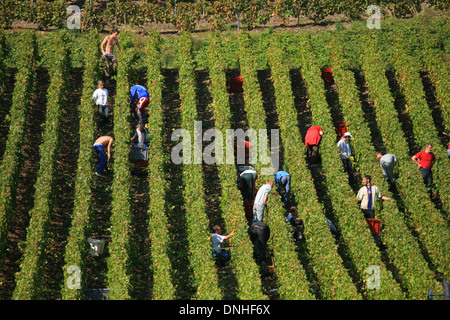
x=313 y=154
x=103 y=116
x=348 y=169
x=259 y=235
x=284 y=182
x=427 y=176
x=368 y=213
x=347 y=165
x=222 y=256
x=102 y=158
x=110 y=62
x=247 y=184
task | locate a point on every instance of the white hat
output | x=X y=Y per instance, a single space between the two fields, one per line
x=347 y=134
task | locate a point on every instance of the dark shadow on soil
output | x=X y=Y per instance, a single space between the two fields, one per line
x=319 y=178
x=403 y=114
x=430 y=95
x=236 y=100
x=181 y=271
x=269 y=102
x=27 y=178
x=369 y=112
x=64 y=188
x=96 y=266
x=5 y=105
x=141 y=275
x=213 y=191
x=337 y=116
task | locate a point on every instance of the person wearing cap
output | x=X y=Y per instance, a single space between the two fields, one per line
x=283 y=181
x=345 y=151
x=387 y=163
x=367 y=194
x=139 y=99
x=312 y=140
x=425 y=160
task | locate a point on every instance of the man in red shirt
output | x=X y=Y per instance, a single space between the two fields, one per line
x=312 y=141
x=237 y=153
x=425 y=160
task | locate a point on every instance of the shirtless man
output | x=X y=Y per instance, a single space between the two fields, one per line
x=99 y=146
x=107 y=48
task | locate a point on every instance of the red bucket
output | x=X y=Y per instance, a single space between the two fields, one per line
x=327 y=75
x=235 y=84
x=340 y=128
x=374 y=225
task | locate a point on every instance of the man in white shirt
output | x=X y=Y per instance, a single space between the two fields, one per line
x=261 y=199
x=100 y=97
x=367 y=195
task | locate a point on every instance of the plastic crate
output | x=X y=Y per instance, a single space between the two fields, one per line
x=235 y=84
x=374 y=225
x=340 y=128
x=138 y=153
x=327 y=75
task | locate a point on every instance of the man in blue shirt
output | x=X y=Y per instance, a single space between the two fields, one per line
x=283 y=180
x=139 y=99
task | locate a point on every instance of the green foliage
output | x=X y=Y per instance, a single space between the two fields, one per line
x=354 y=228
x=163 y=288
x=424 y=129
x=186 y=15
x=118 y=262
x=414 y=273
x=335 y=282
x=246 y=271
x=77 y=245
x=12 y=157
x=200 y=255
x=29 y=279
x=422 y=215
